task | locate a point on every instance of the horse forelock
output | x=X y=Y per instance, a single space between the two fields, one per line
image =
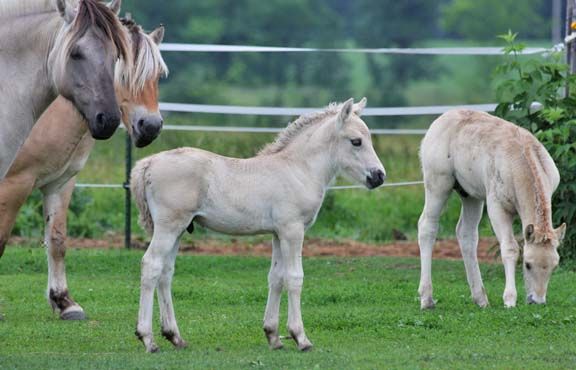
x=91 y=14
x=293 y=130
x=147 y=62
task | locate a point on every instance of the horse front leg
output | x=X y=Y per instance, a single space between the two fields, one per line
x=291 y=240
x=275 y=285
x=167 y=317
x=55 y=209
x=501 y=221
x=153 y=264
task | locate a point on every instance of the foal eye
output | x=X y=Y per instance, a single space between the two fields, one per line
x=356 y=142
x=528 y=266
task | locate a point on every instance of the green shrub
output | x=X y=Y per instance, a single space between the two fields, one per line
x=544 y=81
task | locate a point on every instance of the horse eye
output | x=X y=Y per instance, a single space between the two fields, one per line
x=528 y=266
x=356 y=142
x=76 y=54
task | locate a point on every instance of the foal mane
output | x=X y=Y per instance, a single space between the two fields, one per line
x=147 y=62
x=294 y=128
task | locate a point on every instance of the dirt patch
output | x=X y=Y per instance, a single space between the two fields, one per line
x=444 y=249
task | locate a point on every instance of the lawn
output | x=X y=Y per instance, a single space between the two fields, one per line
x=358 y=312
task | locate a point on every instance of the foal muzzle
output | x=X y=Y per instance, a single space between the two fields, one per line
x=375 y=179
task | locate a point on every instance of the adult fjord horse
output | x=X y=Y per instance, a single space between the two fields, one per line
x=279 y=192
x=485 y=158
x=48 y=47
x=59 y=145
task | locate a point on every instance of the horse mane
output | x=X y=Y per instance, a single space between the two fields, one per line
x=531 y=153
x=14 y=8
x=294 y=128
x=147 y=62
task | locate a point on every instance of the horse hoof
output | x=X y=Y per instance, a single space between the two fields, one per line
x=73 y=315
x=276 y=345
x=305 y=346
x=427 y=304
x=181 y=344
x=152 y=349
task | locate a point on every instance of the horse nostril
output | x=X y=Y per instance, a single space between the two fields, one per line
x=100 y=118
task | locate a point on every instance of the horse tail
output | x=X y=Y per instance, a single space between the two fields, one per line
x=138 y=180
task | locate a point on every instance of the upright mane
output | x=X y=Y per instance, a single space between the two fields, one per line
x=147 y=62
x=294 y=128
x=531 y=153
x=14 y=8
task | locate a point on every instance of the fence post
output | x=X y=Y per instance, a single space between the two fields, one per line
x=128 y=203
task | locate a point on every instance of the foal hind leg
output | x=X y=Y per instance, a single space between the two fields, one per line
x=55 y=209
x=467 y=234
x=167 y=317
x=14 y=191
x=436 y=194
x=153 y=262
x=275 y=284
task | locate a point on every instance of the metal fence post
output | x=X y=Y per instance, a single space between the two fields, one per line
x=128 y=203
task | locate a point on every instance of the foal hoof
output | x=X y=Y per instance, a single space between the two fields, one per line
x=152 y=348
x=73 y=315
x=305 y=346
x=427 y=303
x=180 y=344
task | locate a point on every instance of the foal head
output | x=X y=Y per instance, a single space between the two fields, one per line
x=83 y=58
x=137 y=84
x=355 y=155
x=540 y=259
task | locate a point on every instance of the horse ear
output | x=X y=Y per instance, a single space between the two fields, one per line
x=115 y=6
x=529 y=236
x=346 y=111
x=157 y=35
x=359 y=107
x=66 y=11
x=560 y=232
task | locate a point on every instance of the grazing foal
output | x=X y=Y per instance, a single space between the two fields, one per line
x=278 y=192
x=59 y=146
x=485 y=158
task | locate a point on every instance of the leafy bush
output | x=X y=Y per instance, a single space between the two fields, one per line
x=544 y=81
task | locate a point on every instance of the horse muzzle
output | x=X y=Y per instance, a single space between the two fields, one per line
x=104 y=125
x=375 y=179
x=146 y=130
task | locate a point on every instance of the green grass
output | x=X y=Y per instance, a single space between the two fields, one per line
x=358 y=312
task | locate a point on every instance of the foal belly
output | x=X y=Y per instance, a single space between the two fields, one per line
x=243 y=225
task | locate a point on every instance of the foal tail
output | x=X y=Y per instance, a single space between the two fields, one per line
x=138 y=180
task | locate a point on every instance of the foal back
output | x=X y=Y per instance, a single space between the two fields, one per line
x=484 y=155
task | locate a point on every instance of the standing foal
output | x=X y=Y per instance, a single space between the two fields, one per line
x=485 y=158
x=279 y=192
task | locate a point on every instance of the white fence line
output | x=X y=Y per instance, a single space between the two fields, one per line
x=216 y=48
x=339 y=187
x=280 y=111
x=274 y=130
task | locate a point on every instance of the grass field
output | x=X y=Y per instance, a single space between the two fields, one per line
x=358 y=312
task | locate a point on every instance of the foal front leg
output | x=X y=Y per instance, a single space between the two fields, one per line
x=55 y=209
x=501 y=222
x=170 y=329
x=291 y=248
x=275 y=285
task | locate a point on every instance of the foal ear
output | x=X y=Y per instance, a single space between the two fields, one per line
x=346 y=111
x=157 y=35
x=561 y=232
x=359 y=107
x=66 y=11
x=115 y=6
x=529 y=236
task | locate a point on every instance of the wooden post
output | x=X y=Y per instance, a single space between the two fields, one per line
x=571 y=46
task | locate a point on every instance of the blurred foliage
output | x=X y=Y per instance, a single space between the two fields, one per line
x=544 y=81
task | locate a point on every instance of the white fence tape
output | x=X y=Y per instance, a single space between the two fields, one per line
x=214 y=48
x=280 y=111
x=274 y=130
x=342 y=187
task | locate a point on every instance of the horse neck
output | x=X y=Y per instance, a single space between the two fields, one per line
x=314 y=154
x=26 y=45
x=533 y=192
